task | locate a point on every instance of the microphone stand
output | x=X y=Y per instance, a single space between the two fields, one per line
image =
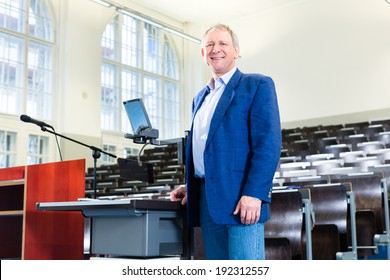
x=96 y=152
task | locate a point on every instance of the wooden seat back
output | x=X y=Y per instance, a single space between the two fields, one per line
x=369 y=207
x=287 y=221
x=368 y=193
x=330 y=205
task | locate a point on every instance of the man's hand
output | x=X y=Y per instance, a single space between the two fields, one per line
x=249 y=209
x=179 y=194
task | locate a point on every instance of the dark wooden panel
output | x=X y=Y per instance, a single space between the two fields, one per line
x=369 y=212
x=287 y=221
x=11 y=197
x=277 y=248
x=330 y=205
x=11 y=237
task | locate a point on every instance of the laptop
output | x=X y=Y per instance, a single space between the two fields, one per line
x=139 y=120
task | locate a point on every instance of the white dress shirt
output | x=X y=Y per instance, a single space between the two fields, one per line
x=203 y=118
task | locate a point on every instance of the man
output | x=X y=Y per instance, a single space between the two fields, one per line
x=232 y=153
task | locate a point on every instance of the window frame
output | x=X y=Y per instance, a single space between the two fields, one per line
x=115 y=60
x=38 y=103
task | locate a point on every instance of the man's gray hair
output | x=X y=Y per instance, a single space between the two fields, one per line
x=221 y=26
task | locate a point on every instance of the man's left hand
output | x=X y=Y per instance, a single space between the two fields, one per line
x=249 y=209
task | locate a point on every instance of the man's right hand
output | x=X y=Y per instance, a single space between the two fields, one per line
x=179 y=194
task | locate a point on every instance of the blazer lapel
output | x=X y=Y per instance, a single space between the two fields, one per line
x=223 y=104
x=199 y=100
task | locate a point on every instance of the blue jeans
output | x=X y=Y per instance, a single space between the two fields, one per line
x=230 y=242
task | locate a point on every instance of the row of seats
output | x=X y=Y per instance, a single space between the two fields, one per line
x=338 y=130
x=168 y=171
x=318 y=139
x=351 y=207
x=334 y=204
x=327 y=164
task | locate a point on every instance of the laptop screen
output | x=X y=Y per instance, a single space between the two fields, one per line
x=138 y=117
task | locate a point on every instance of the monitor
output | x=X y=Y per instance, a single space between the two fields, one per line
x=137 y=115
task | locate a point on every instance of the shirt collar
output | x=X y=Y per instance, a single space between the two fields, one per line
x=224 y=79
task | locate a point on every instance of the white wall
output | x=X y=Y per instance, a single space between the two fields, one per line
x=80 y=25
x=328 y=58
x=79 y=40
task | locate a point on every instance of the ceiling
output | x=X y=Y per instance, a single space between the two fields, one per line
x=206 y=11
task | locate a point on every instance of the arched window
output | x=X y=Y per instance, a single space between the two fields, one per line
x=139 y=61
x=26 y=63
x=26 y=73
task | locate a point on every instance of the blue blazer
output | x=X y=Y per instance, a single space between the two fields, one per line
x=242 y=149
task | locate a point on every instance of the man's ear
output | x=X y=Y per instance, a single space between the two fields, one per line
x=237 y=49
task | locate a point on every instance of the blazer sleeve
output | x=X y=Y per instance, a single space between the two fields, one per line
x=265 y=141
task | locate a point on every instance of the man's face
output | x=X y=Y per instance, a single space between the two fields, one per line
x=218 y=52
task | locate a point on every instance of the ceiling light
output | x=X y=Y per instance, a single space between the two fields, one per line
x=150 y=21
x=139 y=17
x=103 y=3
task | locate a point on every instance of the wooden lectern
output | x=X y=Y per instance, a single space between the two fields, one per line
x=26 y=233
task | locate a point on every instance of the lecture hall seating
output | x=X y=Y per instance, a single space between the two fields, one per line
x=356 y=148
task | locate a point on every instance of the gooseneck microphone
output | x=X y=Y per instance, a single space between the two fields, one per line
x=28 y=119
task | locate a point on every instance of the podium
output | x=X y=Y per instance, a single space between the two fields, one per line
x=26 y=233
x=138 y=228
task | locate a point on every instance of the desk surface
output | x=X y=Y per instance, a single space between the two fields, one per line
x=136 y=204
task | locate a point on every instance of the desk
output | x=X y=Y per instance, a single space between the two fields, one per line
x=139 y=228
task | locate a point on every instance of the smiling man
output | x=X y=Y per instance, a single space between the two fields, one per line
x=232 y=153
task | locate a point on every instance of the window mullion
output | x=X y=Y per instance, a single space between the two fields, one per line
x=25 y=58
x=120 y=69
x=162 y=40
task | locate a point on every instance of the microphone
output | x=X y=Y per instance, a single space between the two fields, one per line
x=28 y=119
